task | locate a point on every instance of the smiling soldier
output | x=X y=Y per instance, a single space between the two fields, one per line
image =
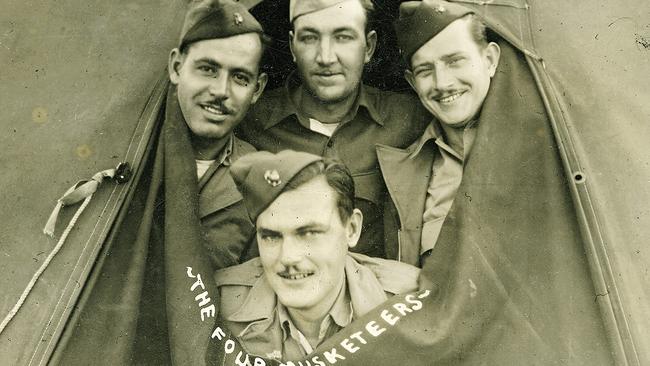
x=325 y=109
x=216 y=76
x=450 y=66
x=305 y=286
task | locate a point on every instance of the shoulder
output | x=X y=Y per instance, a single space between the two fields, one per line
x=245 y=274
x=398 y=110
x=270 y=102
x=241 y=148
x=395 y=277
x=235 y=283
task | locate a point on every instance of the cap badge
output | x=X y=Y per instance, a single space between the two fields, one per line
x=439 y=9
x=272 y=177
x=238 y=19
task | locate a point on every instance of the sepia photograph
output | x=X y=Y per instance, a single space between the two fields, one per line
x=325 y=182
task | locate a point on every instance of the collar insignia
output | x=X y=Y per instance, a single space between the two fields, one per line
x=272 y=177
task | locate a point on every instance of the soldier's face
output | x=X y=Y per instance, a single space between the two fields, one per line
x=330 y=48
x=303 y=245
x=217 y=80
x=451 y=74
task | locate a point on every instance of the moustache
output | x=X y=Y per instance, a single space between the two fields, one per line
x=217 y=104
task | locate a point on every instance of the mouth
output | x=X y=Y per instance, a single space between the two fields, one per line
x=449 y=98
x=214 y=109
x=295 y=276
x=327 y=74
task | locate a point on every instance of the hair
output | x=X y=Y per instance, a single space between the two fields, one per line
x=369 y=10
x=337 y=176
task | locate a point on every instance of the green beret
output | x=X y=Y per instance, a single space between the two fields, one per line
x=261 y=176
x=419 y=21
x=209 y=19
x=302 y=7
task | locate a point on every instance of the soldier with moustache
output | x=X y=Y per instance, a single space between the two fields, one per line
x=306 y=285
x=325 y=109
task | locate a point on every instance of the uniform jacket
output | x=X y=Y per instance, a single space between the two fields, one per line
x=225 y=222
x=275 y=123
x=407 y=175
x=248 y=303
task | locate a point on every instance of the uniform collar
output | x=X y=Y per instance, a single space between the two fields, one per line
x=288 y=102
x=363 y=287
x=340 y=314
x=434 y=132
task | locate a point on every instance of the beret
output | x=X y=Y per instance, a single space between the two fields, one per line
x=261 y=176
x=419 y=21
x=302 y=7
x=209 y=19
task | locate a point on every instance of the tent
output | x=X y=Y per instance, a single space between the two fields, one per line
x=82 y=85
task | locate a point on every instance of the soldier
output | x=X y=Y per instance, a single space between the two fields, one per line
x=216 y=76
x=143 y=297
x=325 y=109
x=305 y=286
x=450 y=66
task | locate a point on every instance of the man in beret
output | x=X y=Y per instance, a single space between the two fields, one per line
x=450 y=66
x=216 y=76
x=305 y=286
x=325 y=109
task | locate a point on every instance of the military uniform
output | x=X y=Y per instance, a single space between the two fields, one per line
x=253 y=314
x=226 y=225
x=275 y=123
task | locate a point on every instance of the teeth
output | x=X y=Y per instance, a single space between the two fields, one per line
x=298 y=276
x=450 y=98
x=212 y=109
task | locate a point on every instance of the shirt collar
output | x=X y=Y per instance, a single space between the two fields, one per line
x=432 y=132
x=290 y=98
x=340 y=314
x=225 y=156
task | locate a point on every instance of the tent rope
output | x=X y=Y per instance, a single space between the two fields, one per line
x=82 y=190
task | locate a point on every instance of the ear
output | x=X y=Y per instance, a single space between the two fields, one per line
x=353 y=227
x=262 y=79
x=492 y=54
x=291 y=36
x=371 y=45
x=174 y=65
x=410 y=78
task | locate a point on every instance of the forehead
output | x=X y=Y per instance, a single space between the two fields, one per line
x=240 y=50
x=348 y=14
x=455 y=38
x=311 y=203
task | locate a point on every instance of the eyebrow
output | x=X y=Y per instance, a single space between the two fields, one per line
x=336 y=30
x=302 y=228
x=212 y=62
x=443 y=58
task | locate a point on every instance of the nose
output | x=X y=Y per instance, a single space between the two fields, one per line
x=326 y=54
x=443 y=78
x=292 y=252
x=219 y=86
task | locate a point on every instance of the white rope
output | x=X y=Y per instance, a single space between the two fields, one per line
x=43 y=266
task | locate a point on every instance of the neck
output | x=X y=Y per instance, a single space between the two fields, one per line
x=308 y=321
x=454 y=137
x=326 y=112
x=208 y=148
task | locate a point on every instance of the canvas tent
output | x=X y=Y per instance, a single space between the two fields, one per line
x=81 y=88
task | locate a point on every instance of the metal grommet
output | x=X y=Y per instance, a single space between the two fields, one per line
x=579 y=177
x=122 y=173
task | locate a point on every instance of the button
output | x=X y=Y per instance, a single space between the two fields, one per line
x=330 y=143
